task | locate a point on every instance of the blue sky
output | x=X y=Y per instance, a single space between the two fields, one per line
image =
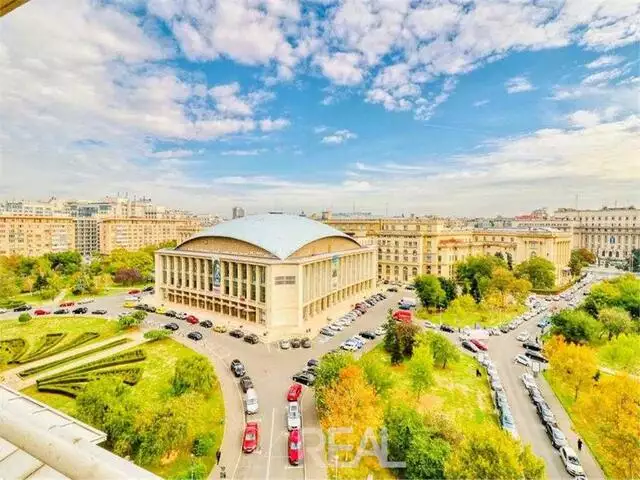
x=428 y=107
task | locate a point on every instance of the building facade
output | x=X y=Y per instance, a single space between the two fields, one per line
x=135 y=233
x=32 y=235
x=413 y=246
x=278 y=271
x=87 y=236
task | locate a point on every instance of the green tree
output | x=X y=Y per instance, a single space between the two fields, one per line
x=403 y=423
x=65 y=263
x=420 y=369
x=615 y=320
x=406 y=333
x=532 y=467
x=505 y=285
x=193 y=373
x=430 y=291
x=509 y=261
x=623 y=353
x=328 y=373
x=203 y=445
x=633 y=264
x=24 y=317
x=139 y=315
x=159 y=431
x=442 y=349
x=377 y=373
x=427 y=458
x=391 y=342
x=153 y=335
x=8 y=283
x=499 y=255
x=474 y=273
x=623 y=291
x=449 y=287
x=128 y=321
x=576 y=326
x=580 y=258
x=539 y=271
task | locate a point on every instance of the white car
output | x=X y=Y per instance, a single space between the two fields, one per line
x=342 y=322
x=496 y=385
x=380 y=331
x=571 y=461
x=181 y=315
x=428 y=324
x=528 y=381
x=484 y=359
x=349 y=346
x=336 y=327
x=523 y=337
x=84 y=301
x=522 y=360
x=3 y=310
x=293 y=416
x=360 y=338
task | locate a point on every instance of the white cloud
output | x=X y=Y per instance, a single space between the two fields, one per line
x=243 y=153
x=427 y=106
x=518 y=84
x=319 y=129
x=342 y=68
x=480 y=103
x=269 y=125
x=172 y=154
x=605 y=61
x=339 y=136
x=583 y=118
x=603 y=76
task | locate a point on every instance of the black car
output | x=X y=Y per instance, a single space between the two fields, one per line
x=237 y=368
x=470 y=346
x=148 y=289
x=150 y=308
x=206 y=323
x=447 y=328
x=251 y=338
x=313 y=363
x=171 y=326
x=99 y=312
x=304 y=378
x=140 y=306
x=237 y=333
x=80 y=310
x=305 y=342
x=312 y=370
x=392 y=289
x=171 y=313
x=295 y=343
x=246 y=383
x=197 y=336
x=368 y=335
x=22 y=308
x=535 y=347
x=536 y=356
x=61 y=311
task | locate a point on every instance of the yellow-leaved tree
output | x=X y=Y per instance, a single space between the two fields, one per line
x=574 y=366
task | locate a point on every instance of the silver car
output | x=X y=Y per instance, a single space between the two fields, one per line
x=293 y=416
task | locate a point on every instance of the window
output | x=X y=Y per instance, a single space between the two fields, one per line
x=285 y=280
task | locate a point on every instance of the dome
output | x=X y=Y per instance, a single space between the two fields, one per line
x=279 y=234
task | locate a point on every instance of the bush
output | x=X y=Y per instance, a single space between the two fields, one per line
x=153 y=335
x=128 y=321
x=46 y=343
x=203 y=445
x=24 y=317
x=127 y=276
x=15 y=346
x=76 y=342
x=196 y=471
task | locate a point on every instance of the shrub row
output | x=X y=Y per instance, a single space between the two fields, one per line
x=68 y=390
x=129 y=375
x=17 y=347
x=76 y=342
x=47 y=342
x=48 y=366
x=117 y=359
x=11 y=304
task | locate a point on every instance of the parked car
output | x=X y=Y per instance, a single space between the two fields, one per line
x=349 y=346
x=251 y=401
x=80 y=310
x=171 y=313
x=295 y=343
x=447 y=328
x=148 y=289
x=220 y=329
x=507 y=423
x=523 y=336
x=192 y=319
x=250 y=437
x=251 y=338
x=294 y=449
x=246 y=383
x=23 y=308
x=496 y=385
x=294 y=392
x=206 y=323
x=368 y=334
x=535 y=347
x=571 y=461
x=3 y=310
x=380 y=331
x=285 y=344
x=545 y=414
x=172 y=326
x=306 y=342
x=293 y=416
x=129 y=304
x=237 y=333
x=61 y=311
x=505 y=328
x=558 y=439
x=327 y=331
x=304 y=378
x=84 y=301
x=181 y=315
x=135 y=291
x=100 y=311
x=67 y=304
x=501 y=401
x=469 y=346
x=41 y=311
x=161 y=310
x=538 y=357
x=392 y=289
x=528 y=381
x=522 y=360
x=197 y=336
x=336 y=327
x=238 y=368
x=479 y=344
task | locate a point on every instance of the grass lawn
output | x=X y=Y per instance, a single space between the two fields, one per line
x=40 y=326
x=114 y=290
x=205 y=414
x=481 y=316
x=31 y=299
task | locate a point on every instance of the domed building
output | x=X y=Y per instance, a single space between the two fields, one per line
x=273 y=270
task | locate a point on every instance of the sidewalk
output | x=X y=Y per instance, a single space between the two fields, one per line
x=591 y=467
x=12 y=379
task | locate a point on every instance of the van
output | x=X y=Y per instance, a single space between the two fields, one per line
x=402 y=316
x=411 y=302
x=251 y=401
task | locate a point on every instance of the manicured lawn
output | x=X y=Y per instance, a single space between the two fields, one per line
x=482 y=317
x=205 y=414
x=105 y=292
x=72 y=326
x=31 y=299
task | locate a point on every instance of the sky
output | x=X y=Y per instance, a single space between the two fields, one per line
x=445 y=107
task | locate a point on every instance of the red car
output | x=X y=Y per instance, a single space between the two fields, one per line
x=40 y=311
x=481 y=346
x=135 y=291
x=67 y=304
x=250 y=439
x=192 y=319
x=295 y=446
x=294 y=392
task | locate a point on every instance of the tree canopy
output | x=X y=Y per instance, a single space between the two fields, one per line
x=580 y=258
x=539 y=271
x=430 y=291
x=575 y=325
x=193 y=373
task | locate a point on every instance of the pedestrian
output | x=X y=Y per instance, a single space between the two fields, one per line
x=536 y=339
x=579 y=444
x=478 y=374
x=218 y=454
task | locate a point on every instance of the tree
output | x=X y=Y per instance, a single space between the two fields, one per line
x=24 y=317
x=474 y=273
x=160 y=431
x=509 y=261
x=506 y=285
x=128 y=321
x=442 y=349
x=193 y=373
x=403 y=423
x=499 y=255
x=406 y=333
x=575 y=325
x=532 y=467
x=8 y=283
x=634 y=260
x=615 y=321
x=623 y=353
x=420 y=369
x=539 y=271
x=574 y=365
x=430 y=291
x=153 y=335
x=580 y=258
x=127 y=276
x=65 y=263
x=427 y=458
x=377 y=373
x=391 y=343
x=490 y=453
x=449 y=288
x=139 y=315
x=328 y=373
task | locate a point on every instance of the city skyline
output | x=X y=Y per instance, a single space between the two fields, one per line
x=391 y=107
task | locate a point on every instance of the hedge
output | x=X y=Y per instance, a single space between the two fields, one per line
x=130 y=376
x=49 y=341
x=47 y=366
x=70 y=390
x=117 y=359
x=11 y=304
x=76 y=342
x=17 y=346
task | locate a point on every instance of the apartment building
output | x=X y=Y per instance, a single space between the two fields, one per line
x=135 y=233
x=87 y=235
x=49 y=208
x=33 y=235
x=430 y=245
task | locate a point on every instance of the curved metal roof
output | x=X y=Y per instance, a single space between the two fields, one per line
x=279 y=234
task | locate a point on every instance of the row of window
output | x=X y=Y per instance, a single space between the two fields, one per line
x=285 y=280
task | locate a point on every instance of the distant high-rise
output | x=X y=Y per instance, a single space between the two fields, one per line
x=238 y=212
